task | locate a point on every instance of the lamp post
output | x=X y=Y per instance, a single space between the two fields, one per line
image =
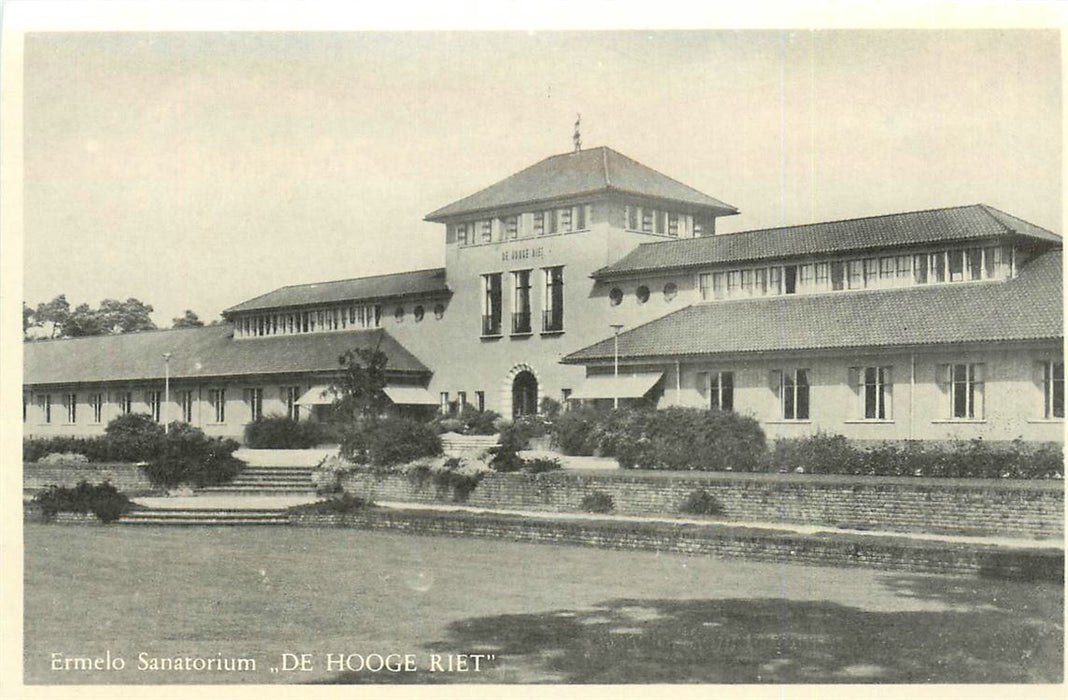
x=615 y=364
x=166 y=390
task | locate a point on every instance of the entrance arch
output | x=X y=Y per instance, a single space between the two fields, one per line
x=520 y=391
x=524 y=394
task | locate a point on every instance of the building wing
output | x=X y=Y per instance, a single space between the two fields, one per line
x=1029 y=307
x=201 y=352
x=971 y=222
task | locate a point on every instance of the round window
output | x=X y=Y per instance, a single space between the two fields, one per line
x=643 y=294
x=399 y=314
x=418 y=313
x=616 y=296
x=670 y=290
x=439 y=311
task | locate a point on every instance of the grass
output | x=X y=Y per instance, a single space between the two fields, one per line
x=549 y=613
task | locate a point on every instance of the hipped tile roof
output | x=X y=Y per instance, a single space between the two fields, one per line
x=975 y=221
x=1029 y=307
x=392 y=286
x=578 y=173
x=205 y=352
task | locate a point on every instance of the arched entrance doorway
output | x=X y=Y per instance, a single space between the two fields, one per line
x=524 y=394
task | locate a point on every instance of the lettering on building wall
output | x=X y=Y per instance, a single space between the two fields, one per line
x=522 y=254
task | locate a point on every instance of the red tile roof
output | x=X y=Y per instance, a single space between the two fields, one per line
x=580 y=173
x=205 y=352
x=1029 y=307
x=392 y=286
x=935 y=225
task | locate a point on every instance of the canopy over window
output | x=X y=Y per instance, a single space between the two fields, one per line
x=320 y=395
x=410 y=396
x=607 y=386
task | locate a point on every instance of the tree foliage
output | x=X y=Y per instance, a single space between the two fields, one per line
x=187 y=320
x=360 y=387
x=111 y=317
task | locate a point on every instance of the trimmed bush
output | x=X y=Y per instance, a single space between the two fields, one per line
x=700 y=502
x=573 y=431
x=63 y=458
x=134 y=437
x=389 y=441
x=690 y=439
x=188 y=456
x=282 y=433
x=541 y=464
x=102 y=500
x=597 y=502
x=342 y=504
x=506 y=452
x=94 y=449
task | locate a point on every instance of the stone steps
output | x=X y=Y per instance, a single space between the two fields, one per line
x=264 y=480
x=454 y=443
x=205 y=517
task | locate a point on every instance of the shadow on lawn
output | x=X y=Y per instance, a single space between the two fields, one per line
x=760 y=641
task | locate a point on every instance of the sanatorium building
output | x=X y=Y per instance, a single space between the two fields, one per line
x=936 y=324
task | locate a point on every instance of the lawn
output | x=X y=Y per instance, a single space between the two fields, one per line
x=547 y=614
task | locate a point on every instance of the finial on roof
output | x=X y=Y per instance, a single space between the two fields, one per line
x=578 y=137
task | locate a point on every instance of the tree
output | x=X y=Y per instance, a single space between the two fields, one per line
x=55 y=313
x=360 y=388
x=187 y=320
x=29 y=320
x=112 y=317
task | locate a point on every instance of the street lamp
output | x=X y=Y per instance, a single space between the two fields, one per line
x=166 y=390
x=615 y=363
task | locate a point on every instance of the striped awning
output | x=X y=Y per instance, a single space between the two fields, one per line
x=607 y=386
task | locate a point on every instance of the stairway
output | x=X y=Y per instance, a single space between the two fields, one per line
x=454 y=444
x=266 y=481
x=217 y=516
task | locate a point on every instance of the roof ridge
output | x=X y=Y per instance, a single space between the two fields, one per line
x=668 y=177
x=354 y=279
x=150 y=331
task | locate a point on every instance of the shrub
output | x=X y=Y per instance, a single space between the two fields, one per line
x=102 y=500
x=549 y=407
x=282 y=433
x=94 y=449
x=540 y=465
x=327 y=475
x=505 y=454
x=478 y=422
x=700 y=502
x=389 y=441
x=344 y=503
x=597 y=502
x=134 y=437
x=822 y=453
x=453 y=477
x=572 y=431
x=63 y=458
x=188 y=456
x=686 y=439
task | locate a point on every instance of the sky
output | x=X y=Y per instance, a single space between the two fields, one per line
x=194 y=170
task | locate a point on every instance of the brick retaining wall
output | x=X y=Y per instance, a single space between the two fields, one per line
x=966 y=506
x=128 y=478
x=782 y=547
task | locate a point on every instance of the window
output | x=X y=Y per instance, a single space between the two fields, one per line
x=45 y=402
x=962 y=384
x=856 y=274
x=254 y=399
x=580 y=217
x=491 y=304
x=217 y=399
x=96 y=402
x=185 y=399
x=154 y=400
x=670 y=290
x=511 y=227
x=565 y=220
x=443 y=406
x=789 y=279
x=632 y=217
x=480 y=400
x=838 y=275
x=70 y=402
x=461 y=399
x=902 y=270
x=887 y=272
x=874 y=388
x=553 y=306
x=290 y=395
x=398 y=314
x=956 y=265
x=418 y=312
x=1052 y=378
x=615 y=297
x=673 y=224
x=125 y=401
x=642 y=294
x=975 y=264
x=439 y=311
x=792 y=389
x=936 y=267
x=521 y=302
x=721 y=391
x=647 y=220
x=486 y=227
x=461 y=234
